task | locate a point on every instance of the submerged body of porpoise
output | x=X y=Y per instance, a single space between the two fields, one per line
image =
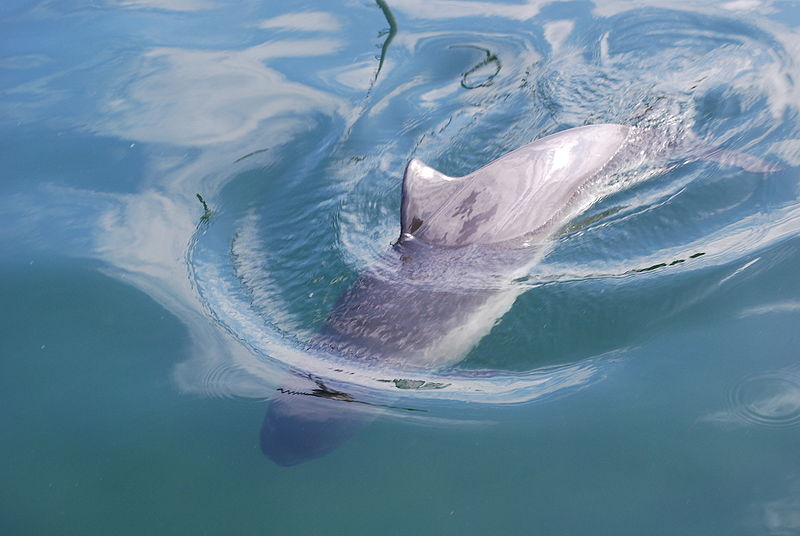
x=447 y=279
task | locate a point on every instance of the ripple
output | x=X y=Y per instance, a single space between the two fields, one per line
x=284 y=243
x=771 y=400
x=225 y=381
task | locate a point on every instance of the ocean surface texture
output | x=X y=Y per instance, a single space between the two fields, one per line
x=189 y=185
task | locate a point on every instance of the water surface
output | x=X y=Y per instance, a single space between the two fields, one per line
x=189 y=185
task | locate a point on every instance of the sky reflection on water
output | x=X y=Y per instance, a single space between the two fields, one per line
x=294 y=127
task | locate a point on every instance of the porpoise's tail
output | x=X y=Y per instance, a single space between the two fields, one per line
x=697 y=149
x=745 y=161
x=303 y=424
x=682 y=145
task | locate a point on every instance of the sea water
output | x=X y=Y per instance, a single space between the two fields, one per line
x=189 y=185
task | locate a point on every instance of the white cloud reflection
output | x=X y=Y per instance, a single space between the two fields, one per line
x=359 y=75
x=196 y=98
x=772 y=308
x=450 y=9
x=787 y=150
x=782 y=516
x=556 y=32
x=307 y=21
x=222 y=104
x=614 y=7
x=167 y=5
x=757 y=6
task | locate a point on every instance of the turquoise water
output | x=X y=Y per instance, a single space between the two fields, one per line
x=189 y=185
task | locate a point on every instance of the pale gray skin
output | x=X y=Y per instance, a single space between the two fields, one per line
x=446 y=281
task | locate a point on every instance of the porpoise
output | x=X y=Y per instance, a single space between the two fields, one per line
x=447 y=280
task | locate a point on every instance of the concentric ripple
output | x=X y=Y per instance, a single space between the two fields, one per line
x=771 y=400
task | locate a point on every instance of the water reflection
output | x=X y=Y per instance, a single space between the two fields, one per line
x=240 y=164
x=482 y=74
x=169 y=5
x=302 y=119
x=763 y=7
x=197 y=98
x=768 y=399
x=390 y=33
x=780 y=516
x=289 y=109
x=304 y=21
x=449 y=9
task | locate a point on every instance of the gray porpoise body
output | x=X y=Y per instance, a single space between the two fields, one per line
x=423 y=306
x=448 y=279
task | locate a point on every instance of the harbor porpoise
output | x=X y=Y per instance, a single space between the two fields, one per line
x=448 y=278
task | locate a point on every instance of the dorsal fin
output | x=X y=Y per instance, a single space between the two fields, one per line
x=425 y=191
x=526 y=191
